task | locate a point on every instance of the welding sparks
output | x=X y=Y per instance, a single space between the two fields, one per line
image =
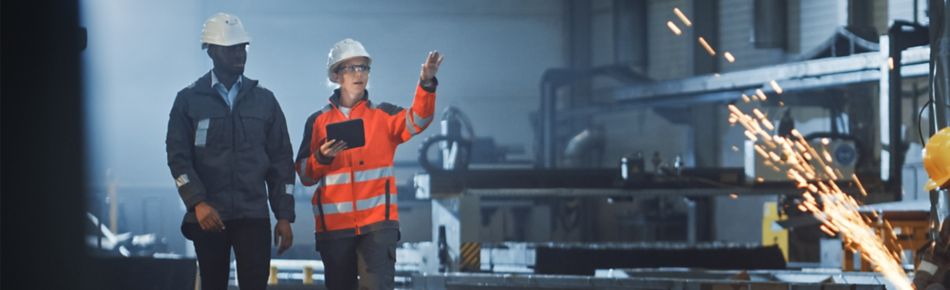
x=858 y=182
x=682 y=17
x=823 y=199
x=758 y=114
x=776 y=87
x=729 y=57
x=751 y=136
x=890 y=63
x=672 y=26
x=733 y=196
x=827 y=231
x=812 y=171
x=761 y=94
x=709 y=49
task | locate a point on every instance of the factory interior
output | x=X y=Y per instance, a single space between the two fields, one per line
x=647 y=144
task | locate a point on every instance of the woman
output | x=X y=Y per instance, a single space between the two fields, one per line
x=357 y=218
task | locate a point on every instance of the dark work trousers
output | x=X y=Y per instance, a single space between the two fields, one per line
x=370 y=256
x=250 y=239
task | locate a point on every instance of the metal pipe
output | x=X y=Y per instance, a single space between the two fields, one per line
x=895 y=141
x=691 y=220
x=940 y=63
x=546 y=152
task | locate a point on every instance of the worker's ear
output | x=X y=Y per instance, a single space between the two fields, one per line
x=335 y=77
x=212 y=50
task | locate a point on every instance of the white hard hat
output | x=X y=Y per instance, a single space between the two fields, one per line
x=344 y=50
x=225 y=30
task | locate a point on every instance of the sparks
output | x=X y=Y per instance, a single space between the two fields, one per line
x=672 y=26
x=858 y=182
x=682 y=17
x=729 y=57
x=776 y=87
x=709 y=49
x=761 y=94
x=813 y=171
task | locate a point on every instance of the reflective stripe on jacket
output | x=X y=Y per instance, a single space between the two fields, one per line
x=356 y=191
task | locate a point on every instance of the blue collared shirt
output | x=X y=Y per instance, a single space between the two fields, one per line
x=225 y=93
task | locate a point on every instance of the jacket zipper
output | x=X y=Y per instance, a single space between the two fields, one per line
x=233 y=153
x=234 y=146
x=229 y=118
x=356 y=212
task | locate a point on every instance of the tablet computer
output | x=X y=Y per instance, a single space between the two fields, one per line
x=350 y=131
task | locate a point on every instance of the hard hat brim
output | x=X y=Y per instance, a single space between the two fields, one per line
x=244 y=40
x=935 y=184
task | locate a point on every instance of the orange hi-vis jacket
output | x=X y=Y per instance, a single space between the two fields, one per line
x=356 y=190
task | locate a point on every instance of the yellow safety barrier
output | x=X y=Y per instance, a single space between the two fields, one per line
x=772 y=233
x=307 y=275
x=272 y=280
x=471 y=256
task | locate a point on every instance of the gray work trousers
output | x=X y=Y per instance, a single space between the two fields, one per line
x=364 y=262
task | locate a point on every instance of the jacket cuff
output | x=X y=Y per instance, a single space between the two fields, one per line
x=290 y=217
x=325 y=160
x=192 y=200
x=429 y=86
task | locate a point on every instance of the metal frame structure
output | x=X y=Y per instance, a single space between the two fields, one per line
x=863 y=68
x=517 y=281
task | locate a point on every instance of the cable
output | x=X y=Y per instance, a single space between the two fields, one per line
x=920 y=117
x=462 y=158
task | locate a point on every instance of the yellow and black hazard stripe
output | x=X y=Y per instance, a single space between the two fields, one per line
x=471 y=257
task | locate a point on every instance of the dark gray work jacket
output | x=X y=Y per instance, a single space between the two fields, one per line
x=234 y=160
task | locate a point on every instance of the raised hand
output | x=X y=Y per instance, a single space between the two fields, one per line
x=431 y=66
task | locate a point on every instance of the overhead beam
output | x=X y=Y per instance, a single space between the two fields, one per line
x=809 y=74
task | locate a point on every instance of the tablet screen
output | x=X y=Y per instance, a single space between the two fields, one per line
x=350 y=131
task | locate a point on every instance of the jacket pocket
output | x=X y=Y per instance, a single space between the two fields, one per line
x=255 y=127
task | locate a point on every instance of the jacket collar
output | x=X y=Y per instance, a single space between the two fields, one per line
x=203 y=85
x=335 y=99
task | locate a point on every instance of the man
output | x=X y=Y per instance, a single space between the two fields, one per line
x=933 y=272
x=229 y=153
x=355 y=209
